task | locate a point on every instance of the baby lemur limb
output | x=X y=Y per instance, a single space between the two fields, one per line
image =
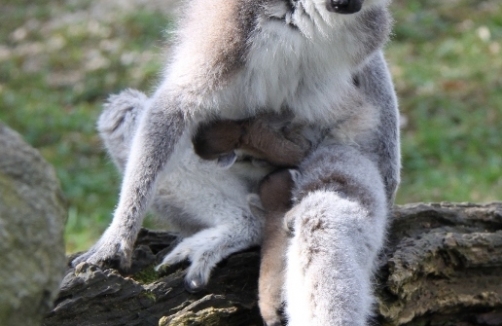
x=271 y=203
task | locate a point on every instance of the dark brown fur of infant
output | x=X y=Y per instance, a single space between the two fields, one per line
x=275 y=199
x=281 y=145
x=271 y=138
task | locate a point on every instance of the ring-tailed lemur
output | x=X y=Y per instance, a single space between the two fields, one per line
x=235 y=59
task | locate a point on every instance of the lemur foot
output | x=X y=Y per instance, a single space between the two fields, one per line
x=271 y=315
x=109 y=251
x=202 y=261
x=204 y=250
x=272 y=323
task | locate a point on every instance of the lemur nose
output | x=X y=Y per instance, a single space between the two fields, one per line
x=340 y=3
x=344 y=6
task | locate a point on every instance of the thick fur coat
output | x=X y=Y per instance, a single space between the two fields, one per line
x=236 y=59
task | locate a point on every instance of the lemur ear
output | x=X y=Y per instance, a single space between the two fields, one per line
x=295 y=175
x=225 y=161
x=255 y=205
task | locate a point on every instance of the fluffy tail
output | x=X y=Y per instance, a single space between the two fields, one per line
x=339 y=227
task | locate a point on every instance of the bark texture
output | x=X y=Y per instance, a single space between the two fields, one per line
x=442 y=266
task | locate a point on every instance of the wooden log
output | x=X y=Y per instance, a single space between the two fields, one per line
x=442 y=266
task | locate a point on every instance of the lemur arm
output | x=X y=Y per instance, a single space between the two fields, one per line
x=155 y=140
x=384 y=146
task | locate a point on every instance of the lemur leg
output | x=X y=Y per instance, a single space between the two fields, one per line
x=383 y=145
x=117 y=126
x=283 y=146
x=158 y=132
x=213 y=231
x=208 y=247
x=339 y=227
x=217 y=198
x=272 y=269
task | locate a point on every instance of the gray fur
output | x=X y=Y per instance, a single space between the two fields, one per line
x=208 y=228
x=233 y=60
x=383 y=145
x=339 y=228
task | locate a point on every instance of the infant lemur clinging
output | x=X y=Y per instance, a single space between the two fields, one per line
x=275 y=143
x=263 y=139
x=237 y=59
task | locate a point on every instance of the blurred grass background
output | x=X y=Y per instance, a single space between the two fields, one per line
x=59 y=60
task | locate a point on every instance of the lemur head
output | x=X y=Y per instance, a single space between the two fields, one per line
x=350 y=6
x=345 y=7
x=324 y=16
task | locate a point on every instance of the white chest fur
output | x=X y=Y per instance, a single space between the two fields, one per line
x=285 y=69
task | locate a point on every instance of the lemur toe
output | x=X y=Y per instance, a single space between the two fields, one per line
x=289 y=224
x=194 y=285
x=225 y=161
x=274 y=322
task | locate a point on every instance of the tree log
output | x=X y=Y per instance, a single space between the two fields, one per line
x=442 y=266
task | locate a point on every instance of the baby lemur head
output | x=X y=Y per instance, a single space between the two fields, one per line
x=218 y=140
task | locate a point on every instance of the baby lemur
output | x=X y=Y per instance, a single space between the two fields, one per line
x=281 y=146
x=351 y=177
x=237 y=59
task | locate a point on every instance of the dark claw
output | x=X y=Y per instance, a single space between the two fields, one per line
x=194 y=285
x=289 y=224
x=227 y=160
x=114 y=262
x=278 y=323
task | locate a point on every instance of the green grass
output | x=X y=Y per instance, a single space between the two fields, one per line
x=446 y=57
x=53 y=80
x=58 y=63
